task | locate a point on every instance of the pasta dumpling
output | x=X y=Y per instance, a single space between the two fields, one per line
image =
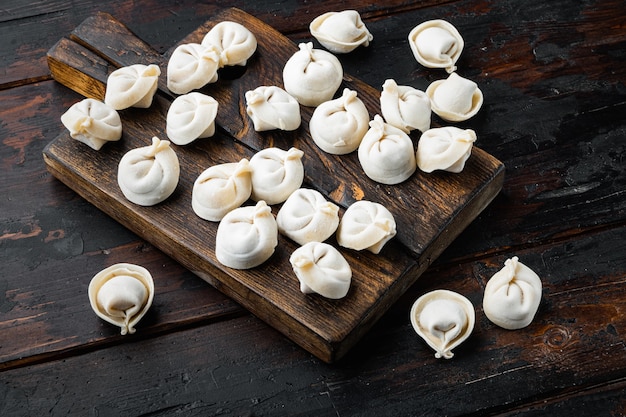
x=436 y=44
x=271 y=107
x=444 y=148
x=321 y=269
x=132 y=86
x=192 y=66
x=366 y=225
x=121 y=295
x=340 y=32
x=93 y=123
x=190 y=117
x=405 y=107
x=512 y=295
x=386 y=153
x=246 y=236
x=338 y=126
x=148 y=175
x=444 y=319
x=307 y=216
x=312 y=76
x=233 y=41
x=276 y=174
x=221 y=189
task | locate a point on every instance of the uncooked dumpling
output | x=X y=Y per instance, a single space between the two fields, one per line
x=246 y=236
x=312 y=76
x=307 y=216
x=276 y=174
x=132 y=86
x=366 y=225
x=148 y=175
x=121 y=295
x=192 y=66
x=338 y=126
x=92 y=122
x=221 y=189
x=321 y=269
x=386 y=153
x=190 y=117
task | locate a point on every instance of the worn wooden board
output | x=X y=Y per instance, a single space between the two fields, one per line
x=430 y=209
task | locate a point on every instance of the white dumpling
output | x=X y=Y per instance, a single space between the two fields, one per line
x=386 y=153
x=405 y=107
x=444 y=319
x=444 y=148
x=148 y=175
x=121 y=295
x=307 y=216
x=321 y=269
x=276 y=174
x=512 y=295
x=190 y=117
x=192 y=66
x=366 y=225
x=93 y=123
x=338 y=126
x=271 y=107
x=235 y=43
x=132 y=86
x=455 y=99
x=311 y=75
x=436 y=44
x=246 y=236
x=220 y=189
x=340 y=32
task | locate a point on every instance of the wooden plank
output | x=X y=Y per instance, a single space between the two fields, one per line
x=239 y=367
x=445 y=204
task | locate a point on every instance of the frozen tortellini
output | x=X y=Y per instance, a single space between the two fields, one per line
x=321 y=269
x=192 y=66
x=233 y=41
x=512 y=295
x=190 y=117
x=444 y=148
x=271 y=107
x=386 y=153
x=366 y=225
x=455 y=99
x=340 y=32
x=444 y=319
x=338 y=126
x=121 y=295
x=405 y=107
x=246 y=236
x=221 y=189
x=148 y=175
x=276 y=174
x=436 y=44
x=312 y=75
x=132 y=86
x=307 y=216
x=93 y=123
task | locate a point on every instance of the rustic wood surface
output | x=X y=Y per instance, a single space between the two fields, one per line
x=553 y=74
x=430 y=210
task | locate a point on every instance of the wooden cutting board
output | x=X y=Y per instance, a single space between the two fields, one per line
x=430 y=209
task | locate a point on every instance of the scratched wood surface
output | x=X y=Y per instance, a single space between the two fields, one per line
x=430 y=210
x=553 y=75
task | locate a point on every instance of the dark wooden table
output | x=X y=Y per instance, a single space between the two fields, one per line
x=554 y=79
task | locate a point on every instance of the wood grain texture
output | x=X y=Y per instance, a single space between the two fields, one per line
x=430 y=209
x=552 y=74
x=216 y=370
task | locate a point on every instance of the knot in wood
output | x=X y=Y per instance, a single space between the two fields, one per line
x=557 y=337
